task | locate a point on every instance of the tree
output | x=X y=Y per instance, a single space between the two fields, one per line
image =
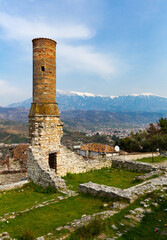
x=155 y=136
x=163 y=125
x=153 y=129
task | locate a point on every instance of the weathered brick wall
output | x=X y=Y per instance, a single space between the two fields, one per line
x=44 y=70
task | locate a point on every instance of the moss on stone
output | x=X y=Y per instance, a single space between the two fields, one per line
x=44 y=109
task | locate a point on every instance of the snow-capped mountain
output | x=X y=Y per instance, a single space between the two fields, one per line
x=71 y=100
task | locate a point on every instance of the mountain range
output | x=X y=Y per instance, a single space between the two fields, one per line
x=82 y=111
x=70 y=100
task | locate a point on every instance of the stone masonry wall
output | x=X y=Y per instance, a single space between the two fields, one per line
x=135 y=156
x=40 y=172
x=73 y=163
x=46 y=133
x=70 y=162
x=9 y=178
x=133 y=165
x=129 y=194
x=67 y=162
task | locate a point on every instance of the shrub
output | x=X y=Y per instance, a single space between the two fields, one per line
x=26 y=235
x=40 y=189
x=86 y=232
x=70 y=176
x=50 y=190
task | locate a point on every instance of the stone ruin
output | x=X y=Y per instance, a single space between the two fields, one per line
x=47 y=158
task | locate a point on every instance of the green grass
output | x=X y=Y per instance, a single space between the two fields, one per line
x=143 y=230
x=107 y=176
x=90 y=231
x=45 y=219
x=154 y=160
x=21 y=199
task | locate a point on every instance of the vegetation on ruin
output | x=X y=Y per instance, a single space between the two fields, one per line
x=94 y=228
x=107 y=176
x=142 y=230
x=146 y=229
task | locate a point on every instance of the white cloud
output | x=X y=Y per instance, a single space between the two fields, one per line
x=10 y=93
x=7 y=89
x=86 y=59
x=72 y=58
x=20 y=28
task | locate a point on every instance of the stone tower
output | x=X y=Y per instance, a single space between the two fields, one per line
x=45 y=126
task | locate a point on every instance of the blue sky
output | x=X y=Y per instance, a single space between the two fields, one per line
x=107 y=47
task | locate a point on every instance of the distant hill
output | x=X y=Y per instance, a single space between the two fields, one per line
x=15 y=114
x=69 y=100
x=89 y=111
x=96 y=120
x=86 y=119
x=12 y=131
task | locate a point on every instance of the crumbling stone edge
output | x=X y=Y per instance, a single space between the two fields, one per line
x=129 y=194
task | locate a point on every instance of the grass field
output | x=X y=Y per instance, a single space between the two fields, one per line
x=107 y=176
x=144 y=230
x=45 y=219
x=20 y=199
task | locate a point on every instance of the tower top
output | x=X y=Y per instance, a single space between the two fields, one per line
x=44 y=77
x=47 y=39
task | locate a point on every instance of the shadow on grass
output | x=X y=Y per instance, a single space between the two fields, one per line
x=40 y=189
x=86 y=232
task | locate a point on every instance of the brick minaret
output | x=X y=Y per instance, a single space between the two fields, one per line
x=44 y=81
x=47 y=158
x=44 y=71
x=44 y=107
x=45 y=127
